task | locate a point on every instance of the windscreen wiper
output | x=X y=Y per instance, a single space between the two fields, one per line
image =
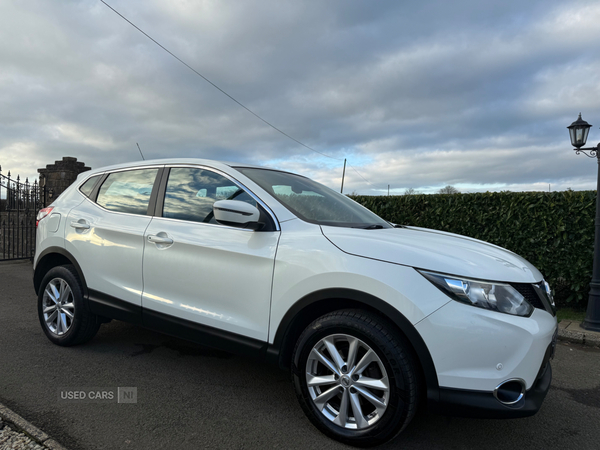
x=371 y=227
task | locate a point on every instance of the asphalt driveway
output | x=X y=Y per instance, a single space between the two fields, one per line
x=189 y=396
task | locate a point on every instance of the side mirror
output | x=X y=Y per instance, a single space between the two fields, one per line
x=235 y=213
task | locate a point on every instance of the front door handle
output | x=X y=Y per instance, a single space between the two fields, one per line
x=80 y=225
x=159 y=239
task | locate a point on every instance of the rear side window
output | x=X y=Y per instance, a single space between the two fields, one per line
x=191 y=192
x=87 y=187
x=127 y=192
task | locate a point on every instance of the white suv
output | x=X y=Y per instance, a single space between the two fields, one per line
x=372 y=319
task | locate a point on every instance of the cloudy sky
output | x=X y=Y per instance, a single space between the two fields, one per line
x=415 y=94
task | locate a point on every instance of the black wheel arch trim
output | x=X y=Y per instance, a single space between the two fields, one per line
x=38 y=273
x=275 y=351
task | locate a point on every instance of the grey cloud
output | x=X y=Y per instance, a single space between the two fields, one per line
x=416 y=93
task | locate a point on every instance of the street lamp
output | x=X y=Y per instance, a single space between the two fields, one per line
x=578 y=131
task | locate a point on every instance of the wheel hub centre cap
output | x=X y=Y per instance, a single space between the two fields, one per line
x=345 y=381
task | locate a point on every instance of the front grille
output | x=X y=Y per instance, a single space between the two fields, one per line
x=528 y=291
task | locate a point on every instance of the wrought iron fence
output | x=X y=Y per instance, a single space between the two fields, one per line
x=19 y=204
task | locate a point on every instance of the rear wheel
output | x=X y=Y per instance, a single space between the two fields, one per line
x=64 y=314
x=355 y=377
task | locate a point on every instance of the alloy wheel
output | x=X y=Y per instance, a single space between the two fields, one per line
x=347 y=381
x=58 y=306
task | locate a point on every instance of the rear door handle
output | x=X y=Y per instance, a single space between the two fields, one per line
x=159 y=239
x=80 y=225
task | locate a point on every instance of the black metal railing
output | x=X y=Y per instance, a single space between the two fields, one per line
x=19 y=205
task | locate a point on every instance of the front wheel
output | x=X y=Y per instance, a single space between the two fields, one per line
x=64 y=314
x=355 y=377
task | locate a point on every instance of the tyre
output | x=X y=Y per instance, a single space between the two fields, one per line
x=355 y=377
x=64 y=314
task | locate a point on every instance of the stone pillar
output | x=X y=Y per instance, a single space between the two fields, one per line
x=57 y=177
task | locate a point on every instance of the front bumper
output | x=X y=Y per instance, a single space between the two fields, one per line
x=476 y=349
x=483 y=405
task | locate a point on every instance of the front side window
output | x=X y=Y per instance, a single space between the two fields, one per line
x=191 y=192
x=127 y=192
x=313 y=202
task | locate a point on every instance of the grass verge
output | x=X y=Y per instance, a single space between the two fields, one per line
x=576 y=315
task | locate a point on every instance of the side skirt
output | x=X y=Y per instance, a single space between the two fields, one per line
x=114 y=308
x=204 y=335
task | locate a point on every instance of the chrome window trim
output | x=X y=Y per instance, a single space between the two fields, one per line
x=116 y=212
x=204 y=223
x=126 y=169
x=171 y=219
x=200 y=166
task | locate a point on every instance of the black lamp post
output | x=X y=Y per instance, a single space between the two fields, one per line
x=579 y=132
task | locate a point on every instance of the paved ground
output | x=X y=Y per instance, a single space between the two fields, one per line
x=193 y=397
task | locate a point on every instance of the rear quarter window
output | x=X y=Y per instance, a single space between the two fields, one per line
x=87 y=187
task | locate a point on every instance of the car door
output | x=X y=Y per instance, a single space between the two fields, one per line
x=210 y=276
x=105 y=234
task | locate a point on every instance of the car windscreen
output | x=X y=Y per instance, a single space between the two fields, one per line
x=313 y=202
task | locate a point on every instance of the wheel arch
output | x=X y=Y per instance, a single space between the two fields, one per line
x=53 y=257
x=318 y=303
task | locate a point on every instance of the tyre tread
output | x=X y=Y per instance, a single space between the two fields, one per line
x=89 y=325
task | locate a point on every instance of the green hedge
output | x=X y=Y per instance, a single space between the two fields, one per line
x=554 y=231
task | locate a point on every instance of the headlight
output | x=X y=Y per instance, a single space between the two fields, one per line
x=492 y=295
